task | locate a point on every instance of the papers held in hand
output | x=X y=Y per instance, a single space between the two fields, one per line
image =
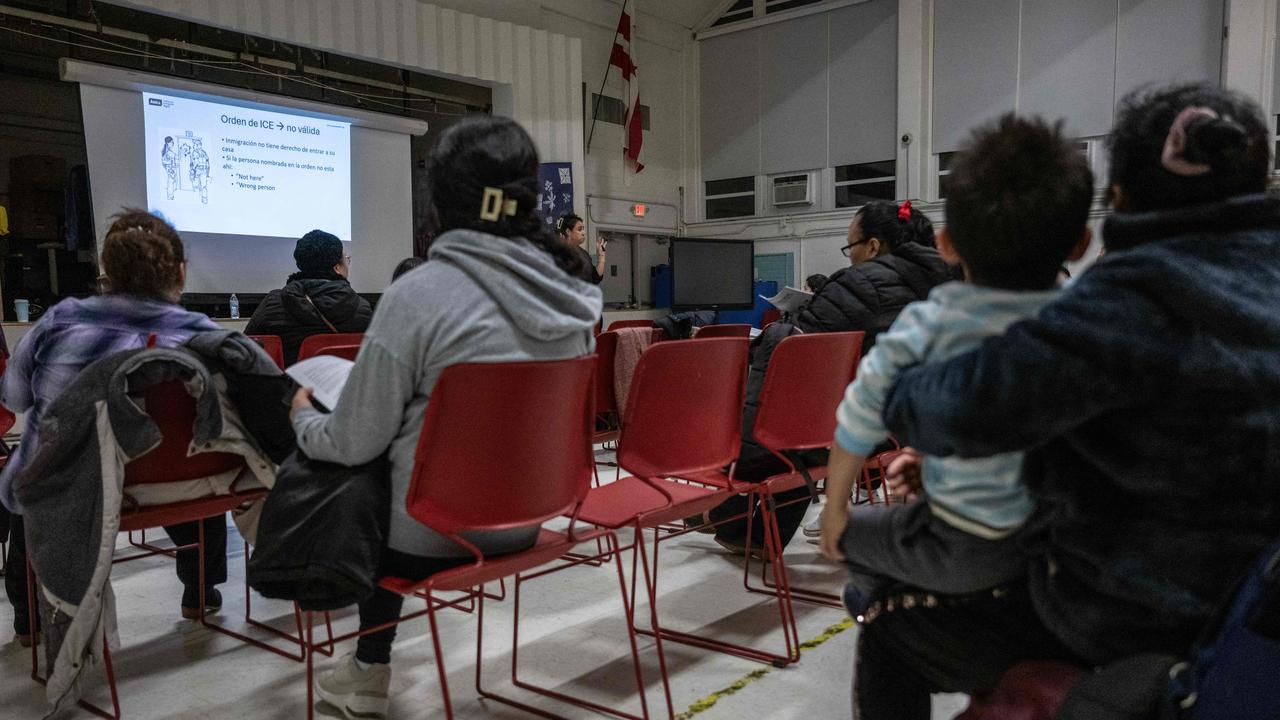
x=789 y=299
x=325 y=374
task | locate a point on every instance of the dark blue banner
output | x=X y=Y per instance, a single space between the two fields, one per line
x=555 y=191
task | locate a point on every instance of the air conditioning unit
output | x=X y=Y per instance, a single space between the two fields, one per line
x=792 y=190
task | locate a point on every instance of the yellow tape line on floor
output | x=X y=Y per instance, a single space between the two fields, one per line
x=706 y=703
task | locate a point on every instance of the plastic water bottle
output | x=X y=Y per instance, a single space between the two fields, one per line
x=234 y=302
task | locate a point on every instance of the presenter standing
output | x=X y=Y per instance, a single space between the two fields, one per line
x=573 y=233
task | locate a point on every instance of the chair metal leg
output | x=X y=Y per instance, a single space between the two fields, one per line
x=224 y=630
x=32 y=611
x=613 y=551
x=786 y=615
x=809 y=595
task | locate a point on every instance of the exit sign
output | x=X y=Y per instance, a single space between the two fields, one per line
x=639 y=209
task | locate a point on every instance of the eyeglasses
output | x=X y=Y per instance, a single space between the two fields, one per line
x=849 y=248
x=346 y=259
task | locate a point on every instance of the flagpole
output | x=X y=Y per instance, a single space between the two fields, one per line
x=600 y=95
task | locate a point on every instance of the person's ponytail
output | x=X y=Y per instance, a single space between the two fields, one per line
x=484 y=177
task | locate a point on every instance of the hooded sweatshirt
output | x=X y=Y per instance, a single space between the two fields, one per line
x=480 y=298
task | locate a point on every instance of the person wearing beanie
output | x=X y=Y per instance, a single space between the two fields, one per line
x=317 y=299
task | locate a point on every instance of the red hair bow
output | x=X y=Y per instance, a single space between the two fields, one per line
x=904 y=210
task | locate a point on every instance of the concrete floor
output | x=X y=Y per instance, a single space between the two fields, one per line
x=572 y=638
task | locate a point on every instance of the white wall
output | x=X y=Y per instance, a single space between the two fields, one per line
x=1249 y=62
x=661 y=50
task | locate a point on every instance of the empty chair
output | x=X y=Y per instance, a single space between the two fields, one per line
x=273 y=345
x=619 y=324
x=719 y=331
x=314 y=344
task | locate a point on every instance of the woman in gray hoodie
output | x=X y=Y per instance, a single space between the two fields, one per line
x=496 y=288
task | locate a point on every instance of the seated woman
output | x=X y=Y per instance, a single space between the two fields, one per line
x=315 y=300
x=892 y=263
x=145 y=268
x=497 y=288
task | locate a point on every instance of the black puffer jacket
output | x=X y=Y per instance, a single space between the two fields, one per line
x=869 y=296
x=287 y=313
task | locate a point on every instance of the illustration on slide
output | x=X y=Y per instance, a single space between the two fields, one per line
x=186 y=165
x=169 y=158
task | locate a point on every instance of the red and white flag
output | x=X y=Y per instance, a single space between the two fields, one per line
x=623 y=57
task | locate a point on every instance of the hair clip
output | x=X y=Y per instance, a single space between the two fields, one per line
x=1173 y=156
x=495 y=204
x=904 y=210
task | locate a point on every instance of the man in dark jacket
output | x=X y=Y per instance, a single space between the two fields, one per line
x=892 y=263
x=317 y=299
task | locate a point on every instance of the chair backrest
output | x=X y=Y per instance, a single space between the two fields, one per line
x=504 y=445
x=311 y=346
x=348 y=352
x=606 y=357
x=619 y=324
x=7 y=418
x=684 y=409
x=806 y=379
x=770 y=316
x=273 y=346
x=723 y=331
x=173 y=410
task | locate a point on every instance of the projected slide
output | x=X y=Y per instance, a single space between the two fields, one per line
x=232 y=170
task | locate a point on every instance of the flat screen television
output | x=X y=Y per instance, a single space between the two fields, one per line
x=711 y=274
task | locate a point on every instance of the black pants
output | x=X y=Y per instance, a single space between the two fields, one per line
x=384 y=606
x=215 y=551
x=961 y=644
x=15 y=575
x=756 y=464
x=188 y=564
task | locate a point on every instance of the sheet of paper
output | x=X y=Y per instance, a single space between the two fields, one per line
x=789 y=299
x=325 y=374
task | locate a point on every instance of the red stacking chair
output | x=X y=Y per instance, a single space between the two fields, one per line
x=312 y=345
x=173 y=410
x=683 y=416
x=772 y=315
x=719 y=331
x=619 y=324
x=7 y=421
x=608 y=423
x=466 y=477
x=347 y=352
x=806 y=379
x=273 y=346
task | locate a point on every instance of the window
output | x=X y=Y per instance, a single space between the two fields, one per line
x=1094 y=150
x=1276 y=142
x=612 y=110
x=773 y=6
x=740 y=10
x=778 y=267
x=731 y=198
x=944 y=172
x=862 y=183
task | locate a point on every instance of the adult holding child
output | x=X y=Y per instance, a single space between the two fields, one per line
x=1134 y=395
x=498 y=288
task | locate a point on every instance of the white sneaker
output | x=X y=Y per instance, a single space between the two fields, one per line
x=357 y=693
x=814 y=529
